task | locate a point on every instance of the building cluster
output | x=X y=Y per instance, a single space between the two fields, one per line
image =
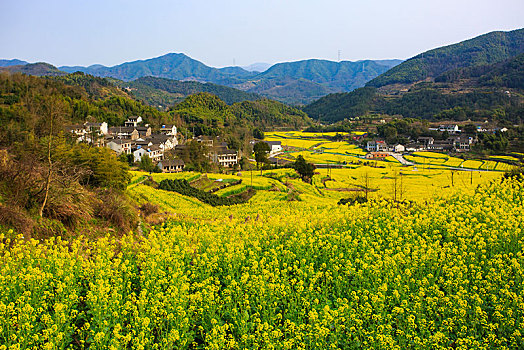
x=131 y=138
x=453 y=143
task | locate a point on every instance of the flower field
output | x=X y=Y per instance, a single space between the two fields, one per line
x=446 y=273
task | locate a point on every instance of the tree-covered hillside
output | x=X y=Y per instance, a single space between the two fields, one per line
x=207 y=114
x=290 y=90
x=175 y=66
x=38 y=69
x=474 y=90
x=167 y=92
x=289 y=82
x=49 y=184
x=508 y=73
x=485 y=49
x=338 y=76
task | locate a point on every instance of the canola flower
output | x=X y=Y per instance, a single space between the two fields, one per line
x=304 y=275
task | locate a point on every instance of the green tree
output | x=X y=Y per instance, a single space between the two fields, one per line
x=258 y=134
x=304 y=169
x=261 y=150
x=147 y=164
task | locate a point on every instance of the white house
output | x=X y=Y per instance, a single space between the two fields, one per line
x=154 y=152
x=120 y=145
x=133 y=121
x=139 y=153
x=100 y=128
x=377 y=146
x=225 y=157
x=450 y=128
x=166 y=142
x=398 y=148
x=168 y=130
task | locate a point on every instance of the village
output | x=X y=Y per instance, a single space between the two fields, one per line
x=161 y=146
x=164 y=146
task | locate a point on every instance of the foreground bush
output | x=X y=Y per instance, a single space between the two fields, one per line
x=373 y=275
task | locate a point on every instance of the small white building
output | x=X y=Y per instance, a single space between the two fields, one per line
x=139 y=153
x=398 y=148
x=133 y=121
x=225 y=157
x=120 y=145
x=168 y=130
x=274 y=146
x=450 y=128
x=153 y=152
x=377 y=146
x=100 y=128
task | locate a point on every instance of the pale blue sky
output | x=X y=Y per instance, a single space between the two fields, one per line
x=109 y=32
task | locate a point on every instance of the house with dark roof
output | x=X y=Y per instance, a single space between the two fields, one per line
x=225 y=157
x=100 y=128
x=120 y=145
x=171 y=165
x=124 y=132
x=154 y=152
x=133 y=121
x=168 y=130
x=377 y=146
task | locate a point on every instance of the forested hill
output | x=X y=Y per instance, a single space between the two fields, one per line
x=482 y=50
x=484 y=92
x=289 y=82
x=209 y=115
x=161 y=92
x=341 y=76
x=175 y=66
x=508 y=73
x=475 y=91
x=38 y=69
x=14 y=62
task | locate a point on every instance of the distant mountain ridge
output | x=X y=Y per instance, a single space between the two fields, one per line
x=341 y=76
x=485 y=49
x=162 y=92
x=14 y=62
x=291 y=82
x=176 y=66
x=38 y=69
x=475 y=79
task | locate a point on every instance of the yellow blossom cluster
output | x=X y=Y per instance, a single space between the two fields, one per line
x=447 y=273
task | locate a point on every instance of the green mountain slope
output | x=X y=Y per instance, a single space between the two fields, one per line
x=508 y=73
x=38 y=69
x=290 y=82
x=167 y=92
x=211 y=116
x=289 y=90
x=175 y=66
x=475 y=91
x=485 y=49
x=14 y=62
x=340 y=76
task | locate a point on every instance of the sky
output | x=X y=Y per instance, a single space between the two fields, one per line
x=225 y=32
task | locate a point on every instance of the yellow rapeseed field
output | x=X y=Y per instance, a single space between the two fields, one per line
x=445 y=273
